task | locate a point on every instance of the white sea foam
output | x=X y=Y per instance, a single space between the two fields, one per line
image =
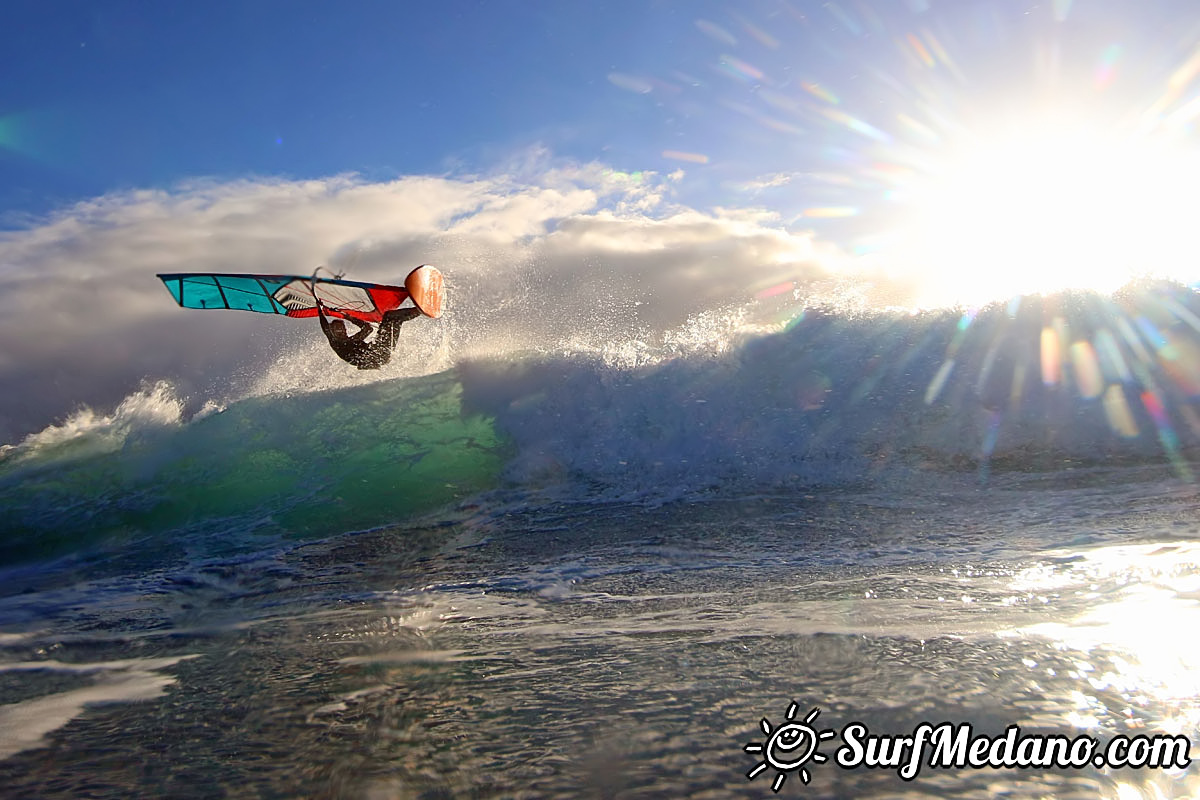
x=24 y=725
x=88 y=432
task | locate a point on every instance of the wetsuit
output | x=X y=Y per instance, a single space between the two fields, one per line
x=356 y=349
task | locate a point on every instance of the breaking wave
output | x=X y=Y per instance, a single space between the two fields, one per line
x=830 y=399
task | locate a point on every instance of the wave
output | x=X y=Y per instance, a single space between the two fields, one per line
x=270 y=466
x=1037 y=383
x=830 y=399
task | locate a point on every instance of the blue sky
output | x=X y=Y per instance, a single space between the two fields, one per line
x=127 y=94
x=119 y=95
x=679 y=161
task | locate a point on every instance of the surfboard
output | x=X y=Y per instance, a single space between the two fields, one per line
x=427 y=289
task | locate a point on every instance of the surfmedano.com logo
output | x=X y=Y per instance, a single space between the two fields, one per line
x=790 y=747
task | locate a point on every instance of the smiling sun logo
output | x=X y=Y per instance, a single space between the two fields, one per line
x=789 y=747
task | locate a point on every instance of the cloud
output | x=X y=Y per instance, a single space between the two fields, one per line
x=762 y=183
x=535 y=257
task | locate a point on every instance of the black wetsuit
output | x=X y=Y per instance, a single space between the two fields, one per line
x=356 y=349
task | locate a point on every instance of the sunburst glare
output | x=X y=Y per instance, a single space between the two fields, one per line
x=963 y=154
x=1045 y=205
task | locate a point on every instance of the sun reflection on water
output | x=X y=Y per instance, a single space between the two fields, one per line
x=1134 y=637
x=1136 y=658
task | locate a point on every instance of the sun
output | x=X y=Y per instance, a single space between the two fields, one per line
x=1044 y=204
x=789 y=747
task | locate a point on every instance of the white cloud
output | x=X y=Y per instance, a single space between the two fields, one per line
x=534 y=258
x=759 y=184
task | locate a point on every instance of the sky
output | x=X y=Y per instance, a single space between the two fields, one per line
x=641 y=164
x=124 y=95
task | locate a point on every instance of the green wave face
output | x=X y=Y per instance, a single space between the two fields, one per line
x=304 y=466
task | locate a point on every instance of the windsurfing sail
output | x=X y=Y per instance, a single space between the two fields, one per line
x=287 y=295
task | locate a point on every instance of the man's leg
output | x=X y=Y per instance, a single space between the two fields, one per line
x=401 y=314
x=389 y=329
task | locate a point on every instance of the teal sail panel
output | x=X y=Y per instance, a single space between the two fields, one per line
x=243 y=292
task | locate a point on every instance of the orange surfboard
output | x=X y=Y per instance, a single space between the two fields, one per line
x=427 y=289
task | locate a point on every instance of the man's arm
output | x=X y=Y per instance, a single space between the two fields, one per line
x=364 y=330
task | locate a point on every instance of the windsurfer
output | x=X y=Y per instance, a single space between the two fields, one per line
x=354 y=348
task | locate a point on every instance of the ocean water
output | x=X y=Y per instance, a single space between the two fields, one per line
x=595 y=571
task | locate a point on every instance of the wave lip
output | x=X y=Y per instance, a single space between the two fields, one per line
x=87 y=433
